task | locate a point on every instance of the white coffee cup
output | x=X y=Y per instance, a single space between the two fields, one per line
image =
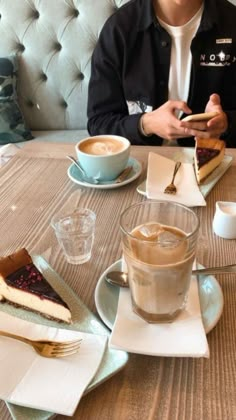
x=224 y=222
x=103 y=157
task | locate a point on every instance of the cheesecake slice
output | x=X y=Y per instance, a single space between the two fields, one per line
x=22 y=284
x=209 y=153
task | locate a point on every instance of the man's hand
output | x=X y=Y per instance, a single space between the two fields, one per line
x=163 y=121
x=212 y=128
x=218 y=125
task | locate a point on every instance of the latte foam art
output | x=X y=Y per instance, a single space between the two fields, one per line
x=100 y=148
x=103 y=147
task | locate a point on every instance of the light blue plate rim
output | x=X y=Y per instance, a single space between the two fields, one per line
x=207 y=185
x=84 y=320
x=210 y=296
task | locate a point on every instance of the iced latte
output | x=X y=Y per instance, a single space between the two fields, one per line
x=159 y=254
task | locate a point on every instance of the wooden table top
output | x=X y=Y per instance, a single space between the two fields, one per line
x=33 y=186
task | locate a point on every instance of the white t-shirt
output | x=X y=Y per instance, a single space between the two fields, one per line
x=181 y=58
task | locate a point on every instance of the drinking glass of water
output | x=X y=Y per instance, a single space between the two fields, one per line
x=75 y=234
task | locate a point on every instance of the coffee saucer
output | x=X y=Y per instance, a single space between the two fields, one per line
x=210 y=296
x=75 y=176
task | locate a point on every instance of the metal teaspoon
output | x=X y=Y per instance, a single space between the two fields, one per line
x=86 y=178
x=119 y=278
x=121 y=177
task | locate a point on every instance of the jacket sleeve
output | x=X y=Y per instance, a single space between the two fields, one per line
x=107 y=109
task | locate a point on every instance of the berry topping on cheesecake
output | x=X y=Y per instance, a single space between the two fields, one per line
x=208 y=155
x=23 y=285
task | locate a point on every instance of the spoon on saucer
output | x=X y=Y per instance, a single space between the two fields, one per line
x=123 y=174
x=119 y=278
x=121 y=177
x=85 y=177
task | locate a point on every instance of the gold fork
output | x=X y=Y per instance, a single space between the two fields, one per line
x=171 y=188
x=47 y=348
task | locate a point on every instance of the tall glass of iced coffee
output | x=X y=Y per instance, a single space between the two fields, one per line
x=159 y=243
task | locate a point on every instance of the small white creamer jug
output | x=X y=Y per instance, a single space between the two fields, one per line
x=224 y=222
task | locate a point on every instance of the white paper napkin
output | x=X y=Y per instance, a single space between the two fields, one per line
x=184 y=337
x=31 y=380
x=6 y=153
x=159 y=174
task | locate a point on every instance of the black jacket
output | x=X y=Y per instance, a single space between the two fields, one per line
x=131 y=63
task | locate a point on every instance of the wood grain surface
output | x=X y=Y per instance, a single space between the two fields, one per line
x=33 y=186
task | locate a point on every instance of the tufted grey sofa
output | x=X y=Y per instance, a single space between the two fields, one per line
x=54 y=40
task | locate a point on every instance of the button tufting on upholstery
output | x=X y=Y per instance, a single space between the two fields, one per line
x=36 y=14
x=55 y=39
x=58 y=46
x=76 y=13
x=20 y=48
x=44 y=77
x=64 y=104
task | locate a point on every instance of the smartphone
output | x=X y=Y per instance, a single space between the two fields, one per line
x=205 y=116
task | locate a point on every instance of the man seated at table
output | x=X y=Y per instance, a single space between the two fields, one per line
x=157 y=61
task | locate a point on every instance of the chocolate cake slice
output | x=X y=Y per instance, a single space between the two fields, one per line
x=22 y=284
x=208 y=155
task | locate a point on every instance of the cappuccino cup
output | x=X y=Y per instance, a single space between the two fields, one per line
x=103 y=157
